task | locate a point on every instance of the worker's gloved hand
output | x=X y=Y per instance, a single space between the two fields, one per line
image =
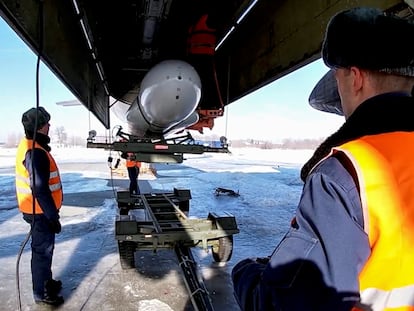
x=55 y=226
x=263 y=260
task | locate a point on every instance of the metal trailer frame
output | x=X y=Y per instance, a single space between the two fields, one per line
x=164 y=223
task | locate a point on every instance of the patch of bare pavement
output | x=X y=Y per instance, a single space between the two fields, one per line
x=87 y=261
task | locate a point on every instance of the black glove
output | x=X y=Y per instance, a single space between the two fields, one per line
x=263 y=260
x=55 y=226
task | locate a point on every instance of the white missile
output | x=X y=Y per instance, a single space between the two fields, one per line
x=168 y=97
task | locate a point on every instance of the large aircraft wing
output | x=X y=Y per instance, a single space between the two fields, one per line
x=103 y=49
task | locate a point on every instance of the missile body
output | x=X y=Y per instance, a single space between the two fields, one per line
x=167 y=100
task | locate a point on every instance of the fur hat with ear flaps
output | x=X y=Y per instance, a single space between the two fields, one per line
x=29 y=119
x=366 y=38
x=370 y=39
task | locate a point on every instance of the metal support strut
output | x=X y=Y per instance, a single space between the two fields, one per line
x=198 y=293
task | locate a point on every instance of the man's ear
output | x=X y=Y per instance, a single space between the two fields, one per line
x=358 y=78
x=44 y=129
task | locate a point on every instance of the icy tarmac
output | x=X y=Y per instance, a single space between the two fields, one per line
x=86 y=256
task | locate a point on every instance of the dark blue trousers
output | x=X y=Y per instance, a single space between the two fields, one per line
x=133 y=173
x=43 y=244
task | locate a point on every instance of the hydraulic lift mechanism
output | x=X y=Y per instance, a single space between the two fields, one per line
x=157 y=150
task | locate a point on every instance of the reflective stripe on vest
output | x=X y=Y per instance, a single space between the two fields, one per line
x=393 y=300
x=23 y=183
x=24 y=187
x=386 y=180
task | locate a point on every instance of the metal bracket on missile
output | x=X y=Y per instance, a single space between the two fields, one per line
x=170 y=150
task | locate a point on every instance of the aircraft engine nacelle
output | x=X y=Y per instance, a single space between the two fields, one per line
x=168 y=97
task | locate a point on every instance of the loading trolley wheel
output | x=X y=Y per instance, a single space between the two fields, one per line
x=224 y=250
x=126 y=254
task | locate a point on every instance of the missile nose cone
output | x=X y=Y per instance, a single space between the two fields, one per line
x=170 y=92
x=169 y=95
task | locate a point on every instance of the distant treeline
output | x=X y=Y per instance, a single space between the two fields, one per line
x=58 y=136
x=288 y=143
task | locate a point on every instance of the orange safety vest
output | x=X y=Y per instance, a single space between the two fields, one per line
x=131 y=162
x=384 y=165
x=23 y=185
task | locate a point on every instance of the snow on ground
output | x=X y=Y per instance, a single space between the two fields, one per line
x=263 y=156
x=86 y=253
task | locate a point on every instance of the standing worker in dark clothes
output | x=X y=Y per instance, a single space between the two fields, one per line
x=133 y=167
x=351 y=243
x=39 y=195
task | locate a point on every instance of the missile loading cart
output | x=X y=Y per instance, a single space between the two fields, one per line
x=153 y=221
x=165 y=225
